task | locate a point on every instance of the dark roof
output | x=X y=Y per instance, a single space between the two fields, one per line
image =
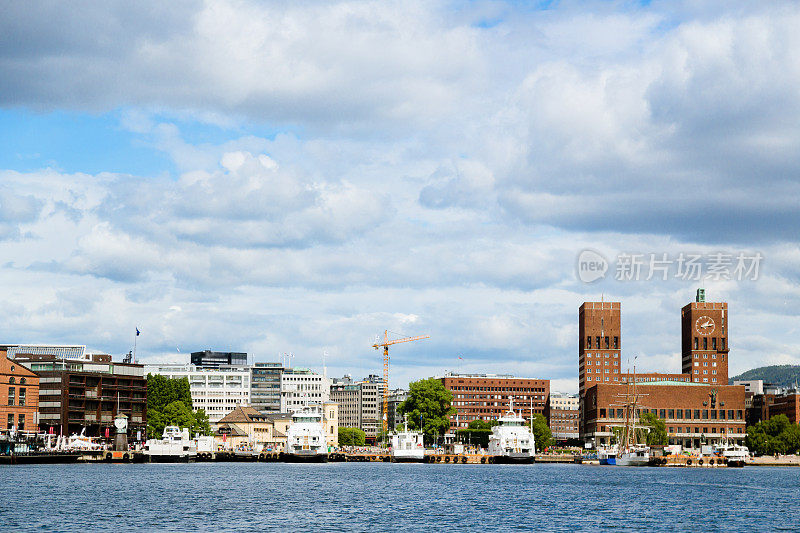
x=244 y=414
x=279 y=416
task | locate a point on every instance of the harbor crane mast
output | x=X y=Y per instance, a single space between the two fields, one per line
x=386 y=343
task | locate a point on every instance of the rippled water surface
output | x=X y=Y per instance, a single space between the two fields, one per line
x=388 y=497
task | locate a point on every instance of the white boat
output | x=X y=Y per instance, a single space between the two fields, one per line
x=407 y=446
x=305 y=438
x=174 y=446
x=636 y=455
x=511 y=440
x=607 y=455
x=734 y=454
x=77 y=442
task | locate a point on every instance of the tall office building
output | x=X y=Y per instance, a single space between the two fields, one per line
x=301 y=387
x=265 y=386
x=360 y=403
x=217 y=390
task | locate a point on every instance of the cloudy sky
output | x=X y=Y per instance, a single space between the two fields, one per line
x=299 y=176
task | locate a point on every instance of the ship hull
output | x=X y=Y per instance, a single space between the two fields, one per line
x=306 y=457
x=632 y=461
x=512 y=459
x=157 y=458
x=408 y=458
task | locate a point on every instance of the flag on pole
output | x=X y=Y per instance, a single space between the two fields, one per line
x=137 y=332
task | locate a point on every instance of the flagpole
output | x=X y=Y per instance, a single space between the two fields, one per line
x=134 y=345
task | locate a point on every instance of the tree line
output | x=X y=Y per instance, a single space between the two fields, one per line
x=169 y=403
x=774 y=436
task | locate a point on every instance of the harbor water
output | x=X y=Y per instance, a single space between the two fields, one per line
x=395 y=497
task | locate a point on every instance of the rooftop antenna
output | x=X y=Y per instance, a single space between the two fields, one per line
x=324 y=367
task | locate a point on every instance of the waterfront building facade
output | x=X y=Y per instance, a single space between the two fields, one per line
x=248 y=426
x=486 y=397
x=360 y=403
x=694 y=413
x=564 y=416
x=301 y=387
x=396 y=397
x=265 y=387
x=772 y=401
x=19 y=397
x=212 y=359
x=697 y=405
x=88 y=393
x=217 y=390
x=330 y=421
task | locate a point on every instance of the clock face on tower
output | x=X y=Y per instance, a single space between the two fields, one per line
x=704 y=325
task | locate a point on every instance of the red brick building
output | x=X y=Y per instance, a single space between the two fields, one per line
x=764 y=406
x=785 y=404
x=697 y=405
x=87 y=393
x=599 y=344
x=693 y=413
x=486 y=396
x=704 y=341
x=19 y=396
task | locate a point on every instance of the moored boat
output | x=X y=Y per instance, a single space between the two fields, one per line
x=305 y=438
x=607 y=455
x=407 y=446
x=174 y=446
x=511 y=440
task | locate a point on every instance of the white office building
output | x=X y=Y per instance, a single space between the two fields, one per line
x=301 y=387
x=216 y=390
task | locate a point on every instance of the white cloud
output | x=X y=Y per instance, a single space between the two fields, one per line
x=420 y=173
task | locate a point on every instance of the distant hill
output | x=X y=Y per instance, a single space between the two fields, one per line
x=781 y=375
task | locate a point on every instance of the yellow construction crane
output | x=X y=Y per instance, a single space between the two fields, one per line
x=386 y=343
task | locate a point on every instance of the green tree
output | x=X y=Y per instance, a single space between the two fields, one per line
x=429 y=406
x=657 y=433
x=168 y=402
x=774 y=436
x=162 y=391
x=351 y=437
x=543 y=437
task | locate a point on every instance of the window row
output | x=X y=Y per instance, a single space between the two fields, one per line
x=599 y=342
x=20 y=422
x=678 y=414
x=713 y=343
x=12 y=396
